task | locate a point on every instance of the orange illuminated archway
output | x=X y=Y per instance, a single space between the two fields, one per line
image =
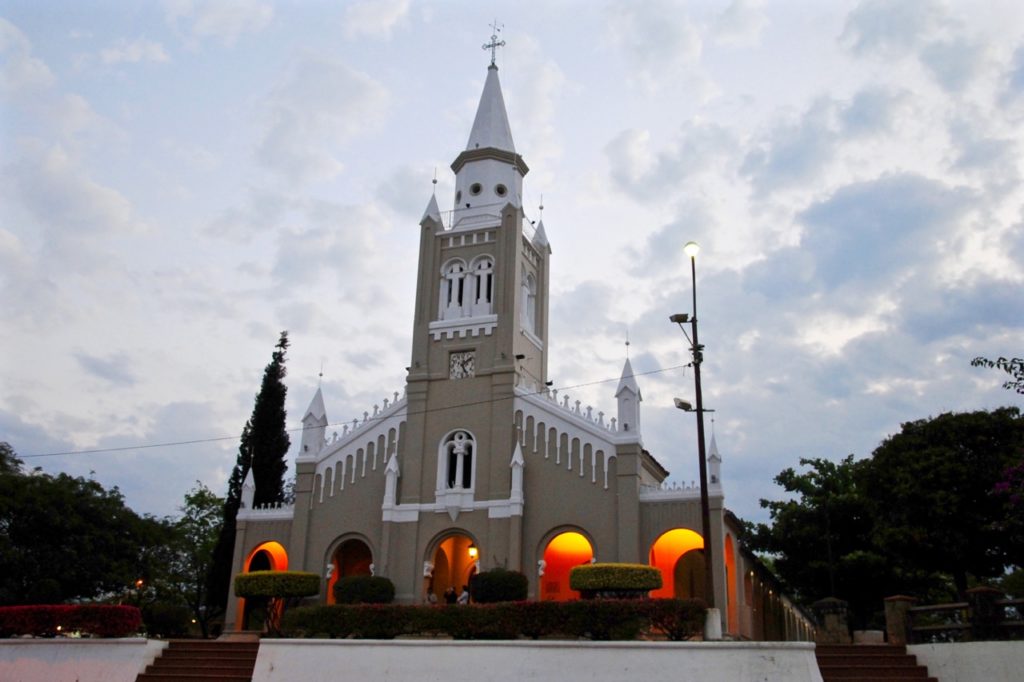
x=666 y=552
x=268 y=556
x=731 y=596
x=565 y=550
x=353 y=557
x=454 y=562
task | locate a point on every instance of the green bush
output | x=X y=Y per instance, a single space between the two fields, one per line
x=541 y=618
x=319 y=622
x=605 y=619
x=364 y=589
x=277 y=584
x=609 y=579
x=99 y=620
x=498 y=585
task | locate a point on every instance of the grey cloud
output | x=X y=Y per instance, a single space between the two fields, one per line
x=976 y=311
x=882 y=28
x=663 y=250
x=1015 y=77
x=872 y=110
x=114 y=369
x=318 y=106
x=795 y=151
x=953 y=63
x=868 y=229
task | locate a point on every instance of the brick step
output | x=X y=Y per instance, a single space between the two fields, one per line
x=860 y=649
x=203 y=661
x=875 y=672
x=875 y=660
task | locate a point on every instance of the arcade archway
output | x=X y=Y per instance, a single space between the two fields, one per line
x=677 y=553
x=562 y=553
x=453 y=562
x=352 y=557
x=268 y=556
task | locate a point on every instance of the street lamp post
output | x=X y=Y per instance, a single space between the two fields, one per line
x=697 y=352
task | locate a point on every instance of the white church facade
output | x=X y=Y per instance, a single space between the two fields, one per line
x=480 y=463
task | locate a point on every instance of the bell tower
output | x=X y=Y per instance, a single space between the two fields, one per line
x=480 y=324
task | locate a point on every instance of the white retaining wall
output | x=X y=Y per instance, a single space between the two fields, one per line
x=76 y=660
x=972 y=661
x=322 y=660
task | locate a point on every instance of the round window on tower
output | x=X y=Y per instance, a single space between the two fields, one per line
x=475 y=188
x=500 y=190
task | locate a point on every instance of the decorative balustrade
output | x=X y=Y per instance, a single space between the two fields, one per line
x=379 y=412
x=574 y=408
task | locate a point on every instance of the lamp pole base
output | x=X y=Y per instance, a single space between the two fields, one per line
x=712 y=625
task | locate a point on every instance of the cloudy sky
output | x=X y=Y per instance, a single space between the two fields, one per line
x=181 y=181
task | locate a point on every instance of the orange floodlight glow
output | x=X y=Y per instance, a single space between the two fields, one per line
x=562 y=553
x=666 y=552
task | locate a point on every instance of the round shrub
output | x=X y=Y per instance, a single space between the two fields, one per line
x=166 y=620
x=364 y=589
x=498 y=585
x=277 y=584
x=614 y=580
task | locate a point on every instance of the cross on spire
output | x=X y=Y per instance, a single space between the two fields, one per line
x=495 y=43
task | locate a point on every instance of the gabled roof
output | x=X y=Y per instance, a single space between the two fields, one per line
x=490 y=127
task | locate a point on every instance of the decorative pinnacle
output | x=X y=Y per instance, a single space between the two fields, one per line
x=495 y=43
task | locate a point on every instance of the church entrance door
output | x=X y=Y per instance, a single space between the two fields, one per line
x=455 y=562
x=353 y=557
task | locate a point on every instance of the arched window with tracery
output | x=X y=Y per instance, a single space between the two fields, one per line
x=453 y=290
x=483 y=285
x=528 y=313
x=458 y=452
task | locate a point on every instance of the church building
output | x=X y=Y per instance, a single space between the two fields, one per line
x=480 y=463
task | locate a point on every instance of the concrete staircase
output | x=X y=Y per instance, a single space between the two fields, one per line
x=199 y=660
x=869 y=663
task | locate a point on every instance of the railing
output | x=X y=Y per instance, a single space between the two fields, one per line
x=986 y=615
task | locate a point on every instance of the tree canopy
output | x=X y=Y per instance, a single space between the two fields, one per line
x=936 y=504
x=64 y=537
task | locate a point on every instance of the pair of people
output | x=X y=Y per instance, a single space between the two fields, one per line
x=450 y=596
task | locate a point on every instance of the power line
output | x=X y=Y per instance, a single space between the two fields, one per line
x=217 y=439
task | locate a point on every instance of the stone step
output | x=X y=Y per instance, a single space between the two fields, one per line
x=203 y=661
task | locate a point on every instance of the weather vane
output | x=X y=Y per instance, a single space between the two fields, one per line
x=495 y=43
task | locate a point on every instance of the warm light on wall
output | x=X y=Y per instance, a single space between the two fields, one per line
x=666 y=551
x=473 y=552
x=563 y=552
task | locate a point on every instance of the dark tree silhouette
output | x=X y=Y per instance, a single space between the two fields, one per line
x=263 y=448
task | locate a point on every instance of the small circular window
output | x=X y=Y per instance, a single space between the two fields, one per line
x=475 y=188
x=500 y=190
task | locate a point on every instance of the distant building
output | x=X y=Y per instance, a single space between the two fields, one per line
x=479 y=464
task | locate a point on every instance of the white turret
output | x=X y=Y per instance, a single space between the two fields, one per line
x=489 y=173
x=248 y=490
x=714 y=464
x=628 y=395
x=314 y=426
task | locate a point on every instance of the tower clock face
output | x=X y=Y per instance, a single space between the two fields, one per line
x=461 y=365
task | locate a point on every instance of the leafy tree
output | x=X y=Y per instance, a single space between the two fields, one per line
x=64 y=537
x=821 y=537
x=263 y=448
x=1014 y=367
x=196 y=534
x=931 y=487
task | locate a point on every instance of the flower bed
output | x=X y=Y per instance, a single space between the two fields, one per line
x=50 y=620
x=597 y=619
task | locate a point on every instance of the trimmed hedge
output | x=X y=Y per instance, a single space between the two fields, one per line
x=277 y=584
x=98 y=620
x=599 y=619
x=614 y=578
x=364 y=589
x=498 y=585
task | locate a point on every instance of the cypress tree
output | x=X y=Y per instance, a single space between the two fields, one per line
x=263 y=448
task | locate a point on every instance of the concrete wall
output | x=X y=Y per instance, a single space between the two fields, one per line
x=972 y=661
x=313 y=660
x=76 y=660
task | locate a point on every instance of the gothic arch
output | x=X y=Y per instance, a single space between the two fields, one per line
x=457 y=460
x=359 y=562
x=448 y=561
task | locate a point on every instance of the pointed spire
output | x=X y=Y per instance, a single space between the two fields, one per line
x=490 y=127
x=248 y=491
x=432 y=211
x=713 y=449
x=316 y=406
x=540 y=237
x=628 y=381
